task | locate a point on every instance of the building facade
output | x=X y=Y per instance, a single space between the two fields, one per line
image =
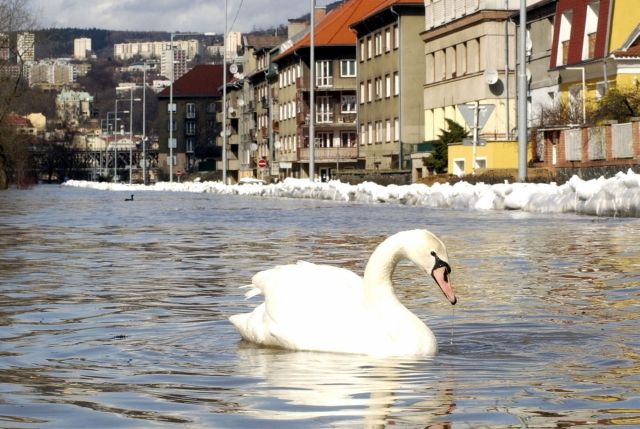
x=81 y=47
x=390 y=82
x=25 y=47
x=196 y=97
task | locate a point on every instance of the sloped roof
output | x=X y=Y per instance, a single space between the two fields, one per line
x=386 y=4
x=333 y=29
x=18 y=121
x=204 y=80
x=631 y=52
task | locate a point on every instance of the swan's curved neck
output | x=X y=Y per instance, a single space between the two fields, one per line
x=382 y=263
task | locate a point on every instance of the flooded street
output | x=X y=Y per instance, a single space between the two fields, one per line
x=115 y=313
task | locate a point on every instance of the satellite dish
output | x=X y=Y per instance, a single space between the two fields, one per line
x=254 y=147
x=238 y=76
x=240 y=102
x=233 y=68
x=277 y=144
x=490 y=76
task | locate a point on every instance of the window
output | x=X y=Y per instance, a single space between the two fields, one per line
x=387 y=40
x=348 y=103
x=363 y=134
x=347 y=139
x=362 y=51
x=324 y=139
x=396 y=37
x=563 y=38
x=347 y=68
x=369 y=133
x=378 y=82
x=190 y=128
x=396 y=129
x=378 y=43
x=211 y=107
x=378 y=131
x=387 y=86
x=387 y=136
x=396 y=83
x=190 y=143
x=324 y=114
x=362 y=94
x=369 y=91
x=591 y=27
x=369 y=48
x=323 y=73
x=191 y=110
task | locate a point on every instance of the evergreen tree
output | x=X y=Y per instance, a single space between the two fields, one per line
x=439 y=159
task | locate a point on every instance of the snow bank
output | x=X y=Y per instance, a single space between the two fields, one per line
x=617 y=196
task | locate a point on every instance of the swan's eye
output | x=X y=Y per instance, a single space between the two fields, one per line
x=440 y=263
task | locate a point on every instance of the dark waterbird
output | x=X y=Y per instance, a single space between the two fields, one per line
x=129 y=199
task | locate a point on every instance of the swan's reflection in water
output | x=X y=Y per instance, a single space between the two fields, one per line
x=344 y=389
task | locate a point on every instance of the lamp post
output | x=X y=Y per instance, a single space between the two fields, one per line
x=312 y=86
x=131 y=100
x=115 y=143
x=144 y=122
x=224 y=99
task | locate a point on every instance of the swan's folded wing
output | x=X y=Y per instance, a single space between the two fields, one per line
x=304 y=292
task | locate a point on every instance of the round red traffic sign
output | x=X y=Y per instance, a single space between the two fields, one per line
x=178 y=173
x=262 y=163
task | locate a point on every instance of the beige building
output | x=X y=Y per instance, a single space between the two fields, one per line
x=390 y=82
x=25 y=47
x=127 y=51
x=81 y=47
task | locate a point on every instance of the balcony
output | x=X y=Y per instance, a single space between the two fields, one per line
x=330 y=154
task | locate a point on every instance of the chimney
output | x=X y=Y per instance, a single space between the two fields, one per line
x=295 y=26
x=319 y=13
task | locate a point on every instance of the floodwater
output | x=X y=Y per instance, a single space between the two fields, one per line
x=114 y=314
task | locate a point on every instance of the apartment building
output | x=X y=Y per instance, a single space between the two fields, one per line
x=173 y=63
x=146 y=50
x=25 y=47
x=51 y=74
x=81 y=47
x=335 y=96
x=390 y=83
x=73 y=107
x=196 y=97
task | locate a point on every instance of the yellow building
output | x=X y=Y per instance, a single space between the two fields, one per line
x=495 y=155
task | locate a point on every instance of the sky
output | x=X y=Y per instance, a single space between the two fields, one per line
x=167 y=15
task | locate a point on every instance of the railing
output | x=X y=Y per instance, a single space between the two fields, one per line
x=573 y=145
x=622 y=140
x=330 y=153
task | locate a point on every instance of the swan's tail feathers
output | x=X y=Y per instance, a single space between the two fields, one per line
x=252 y=292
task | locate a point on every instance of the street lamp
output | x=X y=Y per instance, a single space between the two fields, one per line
x=224 y=99
x=131 y=100
x=115 y=145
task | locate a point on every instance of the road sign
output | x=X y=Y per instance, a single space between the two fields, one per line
x=178 y=173
x=262 y=163
x=484 y=111
x=172 y=143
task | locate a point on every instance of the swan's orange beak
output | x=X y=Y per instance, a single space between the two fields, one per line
x=441 y=276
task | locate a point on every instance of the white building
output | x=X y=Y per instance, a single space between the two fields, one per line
x=26 y=47
x=81 y=47
x=145 y=50
x=51 y=73
x=176 y=58
x=234 y=41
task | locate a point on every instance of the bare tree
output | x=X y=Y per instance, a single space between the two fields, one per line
x=15 y=16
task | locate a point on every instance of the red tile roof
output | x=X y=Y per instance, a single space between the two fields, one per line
x=334 y=29
x=631 y=52
x=18 y=121
x=204 y=80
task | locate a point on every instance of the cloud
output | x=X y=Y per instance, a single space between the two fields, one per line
x=167 y=15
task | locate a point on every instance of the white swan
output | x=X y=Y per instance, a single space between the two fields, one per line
x=330 y=309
